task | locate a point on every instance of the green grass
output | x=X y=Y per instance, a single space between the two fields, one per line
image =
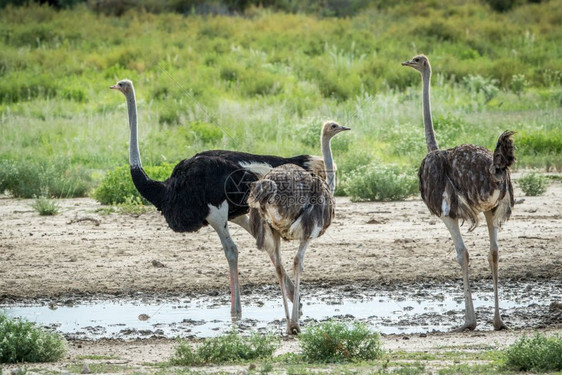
x=23 y=341
x=259 y=83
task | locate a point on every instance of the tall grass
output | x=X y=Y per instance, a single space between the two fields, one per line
x=256 y=83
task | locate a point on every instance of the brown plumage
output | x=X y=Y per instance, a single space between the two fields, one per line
x=460 y=183
x=464 y=181
x=294 y=204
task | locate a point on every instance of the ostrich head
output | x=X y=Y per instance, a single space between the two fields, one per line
x=332 y=128
x=125 y=86
x=419 y=62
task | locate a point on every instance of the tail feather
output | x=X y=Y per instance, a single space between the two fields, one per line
x=504 y=153
x=504 y=156
x=260 y=192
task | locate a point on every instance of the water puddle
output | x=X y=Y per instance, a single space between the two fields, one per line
x=407 y=308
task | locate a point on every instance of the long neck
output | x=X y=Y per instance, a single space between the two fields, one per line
x=153 y=191
x=427 y=121
x=329 y=163
x=134 y=154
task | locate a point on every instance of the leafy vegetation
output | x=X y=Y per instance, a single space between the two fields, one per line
x=22 y=341
x=258 y=83
x=117 y=186
x=31 y=178
x=537 y=353
x=45 y=207
x=231 y=347
x=378 y=182
x=533 y=184
x=336 y=342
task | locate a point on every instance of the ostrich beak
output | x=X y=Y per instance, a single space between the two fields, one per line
x=345 y=128
x=114 y=87
x=407 y=63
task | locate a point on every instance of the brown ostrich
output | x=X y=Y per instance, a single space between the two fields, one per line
x=459 y=183
x=294 y=204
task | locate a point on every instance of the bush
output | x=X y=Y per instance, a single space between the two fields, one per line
x=377 y=182
x=51 y=178
x=45 y=207
x=228 y=348
x=487 y=86
x=338 y=342
x=533 y=184
x=22 y=341
x=539 y=353
x=117 y=186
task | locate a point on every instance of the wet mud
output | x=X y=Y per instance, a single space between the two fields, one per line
x=413 y=308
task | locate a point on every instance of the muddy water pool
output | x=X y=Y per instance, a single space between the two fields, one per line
x=388 y=309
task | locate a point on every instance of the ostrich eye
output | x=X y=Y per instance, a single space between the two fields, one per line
x=417 y=59
x=334 y=126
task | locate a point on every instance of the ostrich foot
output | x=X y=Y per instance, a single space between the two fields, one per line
x=293 y=328
x=236 y=316
x=499 y=324
x=465 y=327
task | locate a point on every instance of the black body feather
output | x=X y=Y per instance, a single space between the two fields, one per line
x=209 y=177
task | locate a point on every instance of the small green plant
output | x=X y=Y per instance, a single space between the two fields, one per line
x=227 y=348
x=133 y=205
x=377 y=182
x=339 y=342
x=533 y=184
x=518 y=84
x=45 y=206
x=539 y=353
x=23 y=341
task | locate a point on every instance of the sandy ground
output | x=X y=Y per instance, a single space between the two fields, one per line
x=82 y=251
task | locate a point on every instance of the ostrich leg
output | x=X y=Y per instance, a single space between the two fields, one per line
x=462 y=258
x=293 y=326
x=493 y=260
x=218 y=219
x=244 y=222
x=275 y=255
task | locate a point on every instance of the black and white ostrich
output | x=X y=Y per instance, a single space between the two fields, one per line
x=291 y=203
x=209 y=188
x=459 y=183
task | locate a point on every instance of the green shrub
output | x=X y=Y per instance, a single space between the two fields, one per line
x=52 y=178
x=539 y=142
x=45 y=207
x=487 y=86
x=533 y=184
x=518 y=84
x=117 y=186
x=227 y=348
x=22 y=341
x=339 y=342
x=539 y=353
x=376 y=182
